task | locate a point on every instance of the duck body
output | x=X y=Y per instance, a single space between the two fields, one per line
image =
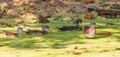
x=10 y=35
x=90 y=32
x=44 y=31
x=77 y=26
x=70 y=28
x=67 y=28
x=13 y=35
x=36 y=32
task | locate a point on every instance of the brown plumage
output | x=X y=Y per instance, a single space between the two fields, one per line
x=42 y=19
x=13 y=35
x=9 y=34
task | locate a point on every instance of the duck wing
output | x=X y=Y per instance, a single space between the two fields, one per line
x=10 y=35
x=34 y=32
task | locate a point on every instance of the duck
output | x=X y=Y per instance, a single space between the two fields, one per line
x=44 y=31
x=13 y=35
x=70 y=28
x=77 y=26
x=67 y=28
x=91 y=30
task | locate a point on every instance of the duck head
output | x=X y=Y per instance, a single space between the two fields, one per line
x=93 y=25
x=19 y=31
x=45 y=29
